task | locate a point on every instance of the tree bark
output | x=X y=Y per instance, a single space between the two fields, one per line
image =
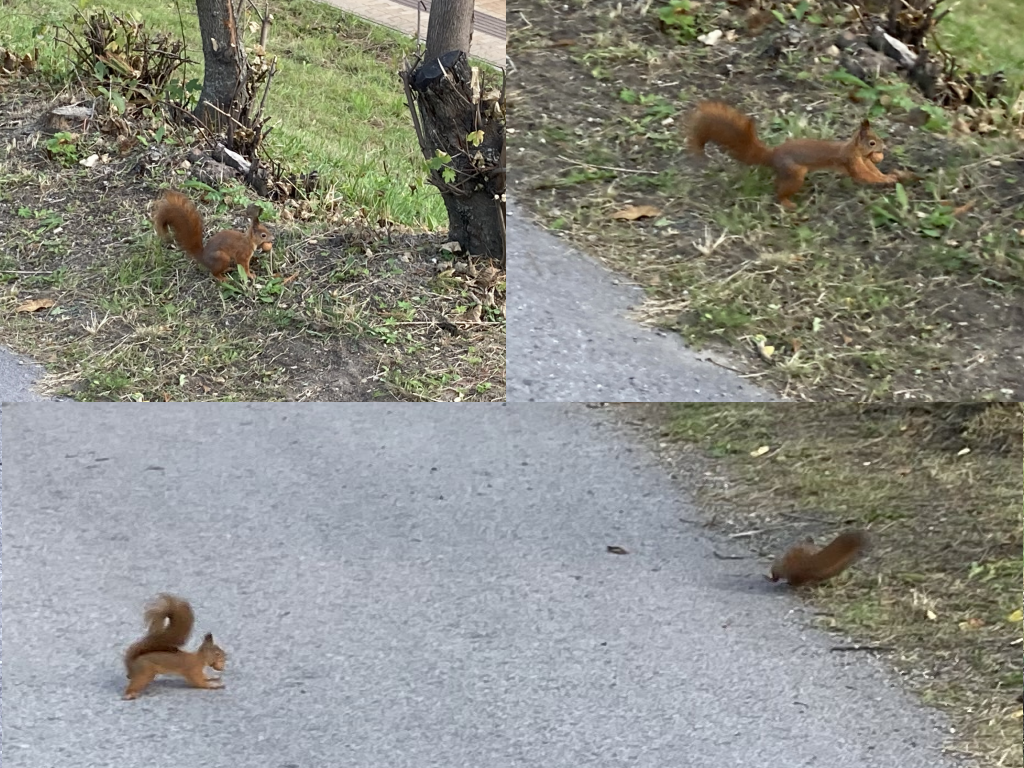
x=225 y=69
x=449 y=28
x=456 y=114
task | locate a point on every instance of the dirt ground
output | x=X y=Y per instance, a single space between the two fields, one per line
x=343 y=309
x=857 y=295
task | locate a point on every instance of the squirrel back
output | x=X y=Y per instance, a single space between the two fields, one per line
x=169 y=620
x=805 y=563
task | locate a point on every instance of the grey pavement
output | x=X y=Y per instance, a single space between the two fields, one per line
x=18 y=376
x=405 y=586
x=569 y=338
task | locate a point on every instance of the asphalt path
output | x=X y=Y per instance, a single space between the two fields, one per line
x=17 y=377
x=405 y=586
x=569 y=337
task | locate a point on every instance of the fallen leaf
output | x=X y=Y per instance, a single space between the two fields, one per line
x=764 y=349
x=760 y=451
x=617 y=550
x=711 y=37
x=32 y=306
x=634 y=212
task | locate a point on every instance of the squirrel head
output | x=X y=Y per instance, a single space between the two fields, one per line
x=869 y=142
x=263 y=237
x=213 y=655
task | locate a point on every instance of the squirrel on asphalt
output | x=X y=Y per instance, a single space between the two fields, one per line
x=170 y=621
x=736 y=133
x=222 y=251
x=805 y=563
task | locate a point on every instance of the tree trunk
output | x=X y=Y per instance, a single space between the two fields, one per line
x=456 y=114
x=225 y=69
x=449 y=28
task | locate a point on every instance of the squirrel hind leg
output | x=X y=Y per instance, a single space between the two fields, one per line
x=138 y=683
x=788 y=184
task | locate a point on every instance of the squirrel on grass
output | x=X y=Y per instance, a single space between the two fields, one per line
x=170 y=621
x=805 y=563
x=222 y=251
x=736 y=133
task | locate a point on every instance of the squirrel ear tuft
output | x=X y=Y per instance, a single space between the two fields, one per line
x=865 y=125
x=208 y=638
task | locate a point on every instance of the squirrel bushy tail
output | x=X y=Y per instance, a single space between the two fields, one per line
x=806 y=564
x=176 y=211
x=169 y=620
x=734 y=131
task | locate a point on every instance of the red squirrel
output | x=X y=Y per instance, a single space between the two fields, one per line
x=736 y=133
x=170 y=621
x=805 y=563
x=224 y=249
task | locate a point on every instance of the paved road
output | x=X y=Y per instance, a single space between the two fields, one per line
x=404 y=587
x=569 y=338
x=17 y=376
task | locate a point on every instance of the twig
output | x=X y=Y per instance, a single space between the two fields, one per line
x=808 y=518
x=746 y=534
x=606 y=167
x=731 y=557
x=723 y=365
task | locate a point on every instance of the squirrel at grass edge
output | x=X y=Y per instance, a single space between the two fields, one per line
x=169 y=620
x=805 y=563
x=224 y=249
x=736 y=133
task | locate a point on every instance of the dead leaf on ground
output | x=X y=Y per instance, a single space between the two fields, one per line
x=35 y=304
x=617 y=550
x=634 y=212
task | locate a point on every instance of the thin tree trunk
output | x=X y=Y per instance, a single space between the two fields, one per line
x=449 y=28
x=458 y=115
x=225 y=69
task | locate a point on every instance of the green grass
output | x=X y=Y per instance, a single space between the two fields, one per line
x=987 y=35
x=336 y=102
